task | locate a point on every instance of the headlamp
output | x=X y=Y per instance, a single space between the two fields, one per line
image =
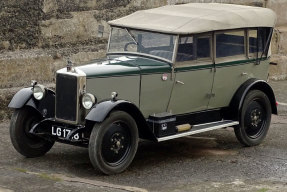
x=88 y=100
x=39 y=91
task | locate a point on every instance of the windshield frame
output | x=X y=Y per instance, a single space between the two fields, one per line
x=171 y=62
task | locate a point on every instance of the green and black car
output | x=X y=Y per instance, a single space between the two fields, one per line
x=170 y=72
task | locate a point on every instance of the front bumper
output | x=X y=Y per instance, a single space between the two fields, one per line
x=77 y=134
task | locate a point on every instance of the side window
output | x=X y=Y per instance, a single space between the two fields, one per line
x=257 y=41
x=263 y=34
x=230 y=44
x=185 y=49
x=194 y=49
x=203 y=49
x=252 y=42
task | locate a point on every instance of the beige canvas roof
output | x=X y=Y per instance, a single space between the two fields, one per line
x=197 y=18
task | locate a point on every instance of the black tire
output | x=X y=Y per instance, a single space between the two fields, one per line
x=254 y=119
x=25 y=143
x=113 y=143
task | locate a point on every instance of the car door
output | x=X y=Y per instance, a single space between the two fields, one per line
x=193 y=74
x=235 y=63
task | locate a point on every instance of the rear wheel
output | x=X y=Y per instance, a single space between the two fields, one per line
x=25 y=143
x=255 y=119
x=113 y=143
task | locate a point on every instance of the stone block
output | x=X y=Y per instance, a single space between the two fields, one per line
x=282 y=39
x=81 y=27
x=280 y=7
x=20 y=70
x=258 y=3
x=279 y=71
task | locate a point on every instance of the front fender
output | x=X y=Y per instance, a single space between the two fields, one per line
x=101 y=111
x=21 y=98
x=24 y=97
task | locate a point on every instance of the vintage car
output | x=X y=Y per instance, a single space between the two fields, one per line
x=170 y=72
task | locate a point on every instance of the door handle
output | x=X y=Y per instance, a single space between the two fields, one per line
x=244 y=73
x=180 y=82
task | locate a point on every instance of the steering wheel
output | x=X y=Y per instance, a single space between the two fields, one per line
x=129 y=43
x=141 y=47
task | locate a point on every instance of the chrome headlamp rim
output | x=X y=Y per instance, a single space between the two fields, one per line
x=39 y=91
x=88 y=100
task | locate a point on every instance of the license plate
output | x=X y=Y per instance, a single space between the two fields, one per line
x=63 y=132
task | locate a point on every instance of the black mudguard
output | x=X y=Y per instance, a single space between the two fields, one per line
x=21 y=98
x=102 y=110
x=238 y=98
x=24 y=97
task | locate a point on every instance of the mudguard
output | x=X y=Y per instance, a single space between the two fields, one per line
x=101 y=111
x=21 y=98
x=24 y=97
x=238 y=98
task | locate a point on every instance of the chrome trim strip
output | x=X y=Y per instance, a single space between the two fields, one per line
x=192 y=132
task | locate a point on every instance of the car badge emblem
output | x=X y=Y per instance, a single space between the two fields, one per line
x=164 y=77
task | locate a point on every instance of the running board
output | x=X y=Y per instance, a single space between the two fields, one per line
x=200 y=129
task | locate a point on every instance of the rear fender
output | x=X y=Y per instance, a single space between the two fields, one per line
x=238 y=98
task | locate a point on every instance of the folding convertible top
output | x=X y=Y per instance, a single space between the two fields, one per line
x=197 y=18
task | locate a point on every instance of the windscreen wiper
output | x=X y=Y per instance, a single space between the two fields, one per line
x=131 y=35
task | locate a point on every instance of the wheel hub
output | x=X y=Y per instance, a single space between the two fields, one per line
x=255 y=117
x=117 y=142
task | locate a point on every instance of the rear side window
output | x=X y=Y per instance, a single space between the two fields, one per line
x=194 y=48
x=230 y=44
x=258 y=41
x=203 y=48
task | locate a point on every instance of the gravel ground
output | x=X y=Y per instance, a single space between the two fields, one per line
x=213 y=161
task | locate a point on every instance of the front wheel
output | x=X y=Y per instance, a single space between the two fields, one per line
x=113 y=143
x=255 y=119
x=25 y=143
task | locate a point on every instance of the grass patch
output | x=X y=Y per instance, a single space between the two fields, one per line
x=21 y=170
x=49 y=177
x=263 y=190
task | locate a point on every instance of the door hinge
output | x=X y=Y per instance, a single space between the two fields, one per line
x=209 y=95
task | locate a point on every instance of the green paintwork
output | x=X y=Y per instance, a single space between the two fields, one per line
x=228 y=78
x=127 y=87
x=155 y=93
x=139 y=80
x=125 y=76
x=123 y=66
x=193 y=95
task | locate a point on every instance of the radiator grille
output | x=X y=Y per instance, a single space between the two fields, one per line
x=66 y=97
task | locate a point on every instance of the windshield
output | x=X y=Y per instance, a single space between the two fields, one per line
x=141 y=42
